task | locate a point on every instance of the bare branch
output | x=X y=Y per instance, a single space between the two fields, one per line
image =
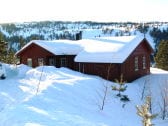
x=38 y=85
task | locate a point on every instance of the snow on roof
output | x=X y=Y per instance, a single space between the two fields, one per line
x=108 y=49
x=57 y=47
x=100 y=50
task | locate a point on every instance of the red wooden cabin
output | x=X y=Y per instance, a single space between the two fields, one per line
x=105 y=57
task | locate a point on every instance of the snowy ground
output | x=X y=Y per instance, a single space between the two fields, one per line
x=67 y=98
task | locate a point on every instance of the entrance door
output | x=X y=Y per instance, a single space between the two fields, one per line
x=63 y=62
x=51 y=62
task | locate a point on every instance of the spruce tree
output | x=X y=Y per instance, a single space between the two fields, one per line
x=6 y=55
x=3 y=48
x=121 y=86
x=161 y=58
x=10 y=58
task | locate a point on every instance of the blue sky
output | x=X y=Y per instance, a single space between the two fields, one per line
x=83 y=10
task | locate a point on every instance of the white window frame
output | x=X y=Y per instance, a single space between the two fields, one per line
x=144 y=62
x=136 y=63
x=29 y=62
x=40 y=61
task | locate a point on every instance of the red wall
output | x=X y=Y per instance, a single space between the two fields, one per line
x=105 y=70
x=33 y=51
x=127 y=68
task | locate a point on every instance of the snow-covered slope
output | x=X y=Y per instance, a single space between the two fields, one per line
x=67 y=98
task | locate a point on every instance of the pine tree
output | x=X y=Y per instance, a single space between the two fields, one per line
x=161 y=58
x=21 y=42
x=6 y=55
x=121 y=88
x=144 y=112
x=3 y=48
x=10 y=58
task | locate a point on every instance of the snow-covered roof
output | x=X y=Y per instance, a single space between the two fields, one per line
x=57 y=47
x=108 y=49
x=99 y=50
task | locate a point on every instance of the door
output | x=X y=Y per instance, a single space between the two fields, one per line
x=51 y=61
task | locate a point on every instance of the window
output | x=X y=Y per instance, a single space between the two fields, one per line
x=144 y=62
x=29 y=62
x=83 y=69
x=40 y=61
x=51 y=61
x=136 y=63
x=79 y=67
x=63 y=62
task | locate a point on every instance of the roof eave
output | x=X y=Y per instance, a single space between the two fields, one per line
x=151 y=48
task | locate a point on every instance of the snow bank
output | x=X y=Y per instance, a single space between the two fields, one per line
x=68 y=98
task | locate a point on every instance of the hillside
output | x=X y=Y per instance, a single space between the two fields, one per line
x=67 y=98
x=18 y=34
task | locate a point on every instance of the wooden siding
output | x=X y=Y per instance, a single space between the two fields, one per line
x=128 y=67
x=34 y=52
x=69 y=59
x=105 y=70
x=113 y=71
